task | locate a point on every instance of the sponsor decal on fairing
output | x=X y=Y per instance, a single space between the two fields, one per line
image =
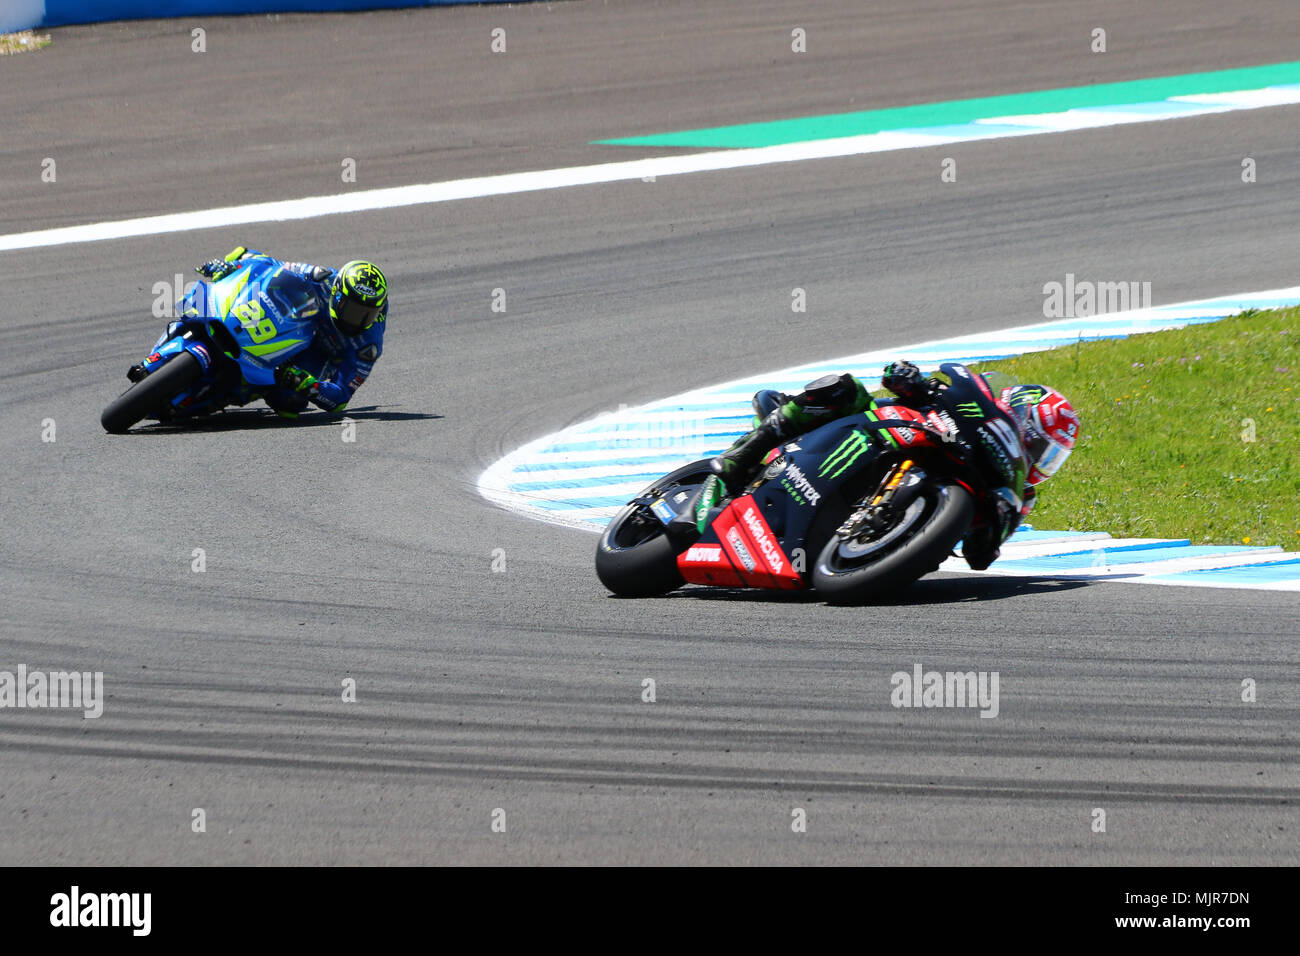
x=709 y=553
x=758 y=531
x=943 y=422
x=738 y=545
x=800 y=483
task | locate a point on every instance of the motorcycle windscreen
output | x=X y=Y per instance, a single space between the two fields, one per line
x=198 y=303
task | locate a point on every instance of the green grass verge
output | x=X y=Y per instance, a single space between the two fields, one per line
x=22 y=42
x=1190 y=433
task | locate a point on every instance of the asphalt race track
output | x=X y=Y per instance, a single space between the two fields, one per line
x=521 y=689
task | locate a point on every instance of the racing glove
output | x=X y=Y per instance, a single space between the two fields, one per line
x=215 y=269
x=905 y=380
x=296 y=380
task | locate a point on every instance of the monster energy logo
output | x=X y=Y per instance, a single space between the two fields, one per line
x=970 y=409
x=1026 y=396
x=849 y=451
x=708 y=498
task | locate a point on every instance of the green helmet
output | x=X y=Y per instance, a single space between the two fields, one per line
x=358 y=296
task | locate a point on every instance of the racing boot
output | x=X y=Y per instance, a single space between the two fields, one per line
x=136 y=373
x=690 y=522
x=734 y=465
x=737 y=463
x=730 y=469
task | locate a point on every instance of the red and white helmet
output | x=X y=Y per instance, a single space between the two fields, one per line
x=1050 y=425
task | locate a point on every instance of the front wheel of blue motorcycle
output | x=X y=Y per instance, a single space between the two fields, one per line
x=864 y=568
x=150 y=395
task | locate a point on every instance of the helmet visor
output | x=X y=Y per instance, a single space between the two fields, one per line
x=1050 y=457
x=351 y=317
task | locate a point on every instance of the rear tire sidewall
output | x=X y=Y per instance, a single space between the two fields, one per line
x=648 y=568
x=919 y=554
x=645 y=570
x=148 y=396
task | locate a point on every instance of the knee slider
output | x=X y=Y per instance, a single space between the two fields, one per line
x=829 y=391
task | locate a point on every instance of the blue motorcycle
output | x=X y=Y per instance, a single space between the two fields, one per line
x=224 y=348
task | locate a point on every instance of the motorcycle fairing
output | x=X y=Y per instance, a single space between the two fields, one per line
x=268 y=318
x=781 y=510
x=739 y=549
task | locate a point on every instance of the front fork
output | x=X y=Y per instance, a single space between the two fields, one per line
x=178 y=338
x=896 y=491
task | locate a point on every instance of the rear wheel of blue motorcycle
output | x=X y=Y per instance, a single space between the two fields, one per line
x=151 y=394
x=842 y=577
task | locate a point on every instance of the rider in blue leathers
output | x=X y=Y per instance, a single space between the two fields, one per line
x=351 y=318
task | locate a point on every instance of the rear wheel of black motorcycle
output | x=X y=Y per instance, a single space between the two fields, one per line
x=148 y=396
x=635 y=558
x=924 y=539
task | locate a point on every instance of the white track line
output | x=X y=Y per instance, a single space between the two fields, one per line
x=626 y=170
x=475 y=188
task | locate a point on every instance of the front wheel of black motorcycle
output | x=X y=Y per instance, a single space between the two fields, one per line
x=860 y=570
x=149 y=395
x=635 y=557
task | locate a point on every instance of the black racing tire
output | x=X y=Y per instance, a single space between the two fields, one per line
x=633 y=563
x=149 y=395
x=949 y=509
x=645 y=570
